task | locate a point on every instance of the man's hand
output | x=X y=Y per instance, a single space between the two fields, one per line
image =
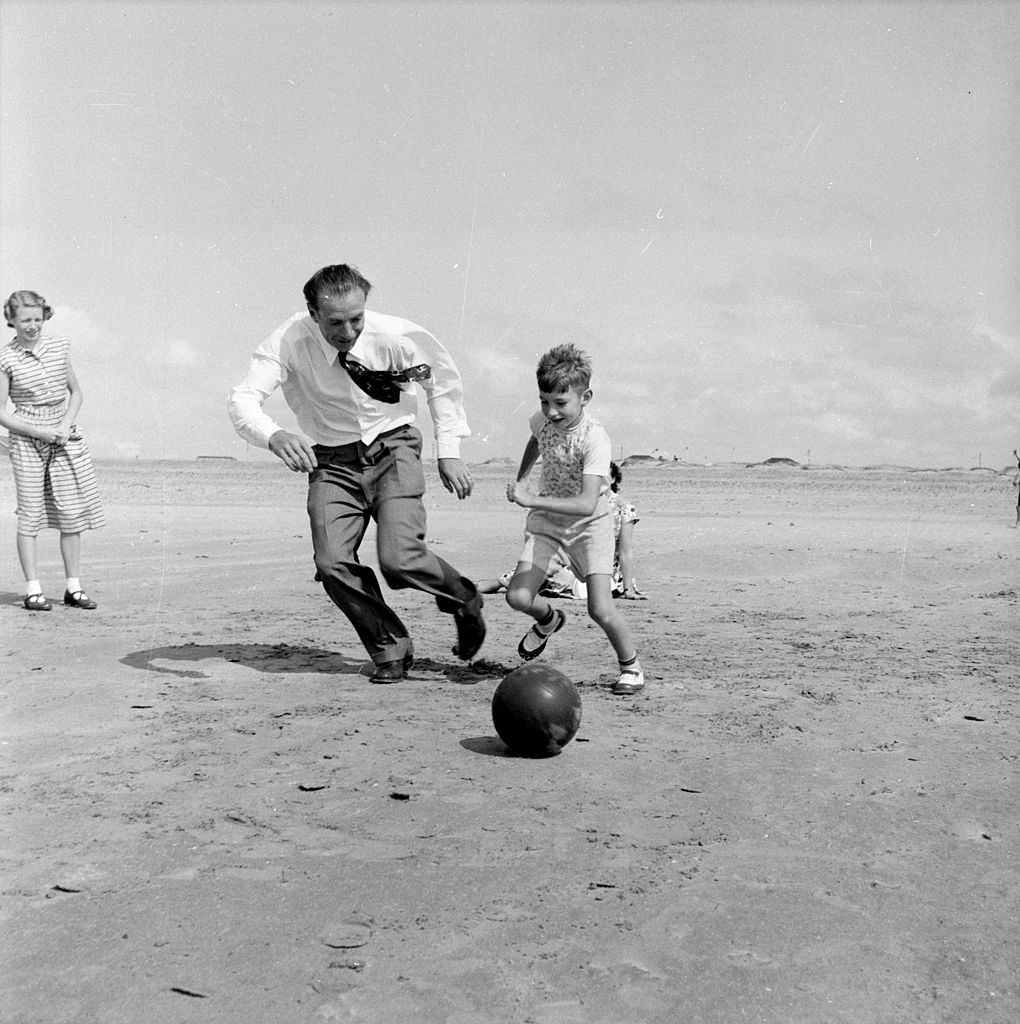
x=295 y=452
x=456 y=477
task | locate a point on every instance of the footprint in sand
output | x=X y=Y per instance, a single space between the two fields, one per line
x=347 y=931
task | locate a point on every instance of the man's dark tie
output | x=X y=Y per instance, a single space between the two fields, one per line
x=382 y=385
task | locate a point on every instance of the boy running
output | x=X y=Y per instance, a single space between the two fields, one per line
x=570 y=517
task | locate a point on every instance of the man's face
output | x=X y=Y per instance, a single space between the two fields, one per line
x=340 y=319
x=563 y=409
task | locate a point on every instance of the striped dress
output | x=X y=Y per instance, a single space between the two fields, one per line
x=56 y=484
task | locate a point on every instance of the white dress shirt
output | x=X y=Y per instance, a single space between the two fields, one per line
x=330 y=408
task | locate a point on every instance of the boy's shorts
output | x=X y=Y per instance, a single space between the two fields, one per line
x=586 y=545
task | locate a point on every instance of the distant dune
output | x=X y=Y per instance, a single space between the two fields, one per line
x=777 y=461
x=781 y=462
x=638 y=460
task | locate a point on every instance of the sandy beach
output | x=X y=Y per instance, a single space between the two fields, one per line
x=810 y=816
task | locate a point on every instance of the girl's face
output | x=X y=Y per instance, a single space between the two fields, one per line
x=28 y=321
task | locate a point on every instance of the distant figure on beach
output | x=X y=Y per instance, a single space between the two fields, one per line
x=570 y=517
x=625 y=518
x=1016 y=484
x=347 y=374
x=561 y=582
x=53 y=472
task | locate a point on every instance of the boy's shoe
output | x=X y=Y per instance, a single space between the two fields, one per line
x=632 y=680
x=37 y=603
x=79 y=599
x=533 y=642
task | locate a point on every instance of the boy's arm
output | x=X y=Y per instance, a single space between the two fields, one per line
x=529 y=458
x=582 y=504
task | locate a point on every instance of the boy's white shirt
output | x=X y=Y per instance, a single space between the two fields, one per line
x=597 y=456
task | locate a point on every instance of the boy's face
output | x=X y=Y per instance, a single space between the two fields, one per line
x=563 y=409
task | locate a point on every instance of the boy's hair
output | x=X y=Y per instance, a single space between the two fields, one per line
x=563 y=368
x=334 y=281
x=19 y=300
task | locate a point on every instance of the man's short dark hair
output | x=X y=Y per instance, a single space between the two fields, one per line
x=336 y=280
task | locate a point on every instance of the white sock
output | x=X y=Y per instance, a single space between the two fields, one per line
x=73 y=584
x=32 y=587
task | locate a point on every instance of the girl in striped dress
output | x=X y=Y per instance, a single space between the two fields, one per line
x=53 y=474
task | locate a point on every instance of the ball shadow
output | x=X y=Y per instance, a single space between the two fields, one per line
x=493 y=746
x=490 y=746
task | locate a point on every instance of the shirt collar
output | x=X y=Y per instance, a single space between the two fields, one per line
x=581 y=421
x=36 y=350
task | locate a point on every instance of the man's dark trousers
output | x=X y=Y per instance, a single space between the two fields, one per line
x=384 y=481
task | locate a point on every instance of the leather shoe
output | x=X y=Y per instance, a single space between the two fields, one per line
x=470 y=630
x=37 y=603
x=387 y=672
x=392 y=671
x=79 y=599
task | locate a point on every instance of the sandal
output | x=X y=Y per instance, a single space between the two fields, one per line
x=37 y=603
x=533 y=642
x=79 y=599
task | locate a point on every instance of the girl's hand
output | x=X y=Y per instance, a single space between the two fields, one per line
x=54 y=435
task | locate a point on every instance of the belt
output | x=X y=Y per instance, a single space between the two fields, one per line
x=358 y=451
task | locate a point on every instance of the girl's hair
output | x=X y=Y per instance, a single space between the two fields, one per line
x=19 y=300
x=563 y=368
x=338 y=279
x=615 y=476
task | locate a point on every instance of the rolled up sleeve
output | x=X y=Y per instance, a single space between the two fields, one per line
x=444 y=392
x=265 y=374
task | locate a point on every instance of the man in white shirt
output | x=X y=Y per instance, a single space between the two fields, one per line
x=347 y=374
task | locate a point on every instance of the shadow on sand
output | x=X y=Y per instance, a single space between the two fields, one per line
x=491 y=746
x=284 y=658
x=275 y=658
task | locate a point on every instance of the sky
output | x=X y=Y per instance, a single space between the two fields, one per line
x=779 y=229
